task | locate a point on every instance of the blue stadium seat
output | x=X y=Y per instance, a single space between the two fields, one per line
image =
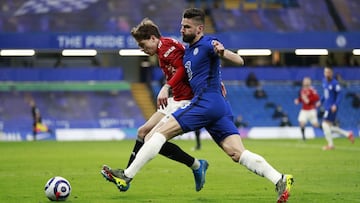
x=307 y=15
x=83 y=109
x=348 y=11
x=256 y=113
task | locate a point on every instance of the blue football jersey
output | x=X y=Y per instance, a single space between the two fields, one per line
x=332 y=93
x=202 y=65
x=208 y=108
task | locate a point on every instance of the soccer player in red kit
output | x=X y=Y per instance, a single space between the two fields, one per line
x=308 y=98
x=170 y=55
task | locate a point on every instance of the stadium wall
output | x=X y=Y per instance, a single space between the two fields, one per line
x=279 y=74
x=117 y=134
x=114 y=132
x=232 y=40
x=61 y=74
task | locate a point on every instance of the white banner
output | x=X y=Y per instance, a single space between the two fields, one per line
x=191 y=135
x=118 y=134
x=280 y=132
x=89 y=134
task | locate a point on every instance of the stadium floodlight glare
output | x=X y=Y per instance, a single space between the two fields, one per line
x=356 y=52
x=309 y=52
x=79 y=52
x=254 y=52
x=132 y=52
x=17 y=52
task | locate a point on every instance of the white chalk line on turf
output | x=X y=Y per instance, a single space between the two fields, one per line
x=312 y=146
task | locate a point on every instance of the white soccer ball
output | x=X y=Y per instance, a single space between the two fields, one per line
x=57 y=189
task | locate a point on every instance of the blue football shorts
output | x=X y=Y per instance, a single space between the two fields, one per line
x=210 y=110
x=329 y=115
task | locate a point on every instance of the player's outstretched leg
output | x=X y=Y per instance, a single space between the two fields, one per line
x=200 y=174
x=283 y=187
x=117 y=177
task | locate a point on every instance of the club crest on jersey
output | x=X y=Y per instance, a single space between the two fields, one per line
x=196 y=51
x=337 y=87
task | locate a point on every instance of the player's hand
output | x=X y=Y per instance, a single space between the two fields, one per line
x=318 y=104
x=333 y=108
x=296 y=101
x=163 y=96
x=218 y=48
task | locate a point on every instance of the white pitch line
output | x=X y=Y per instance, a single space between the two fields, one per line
x=311 y=146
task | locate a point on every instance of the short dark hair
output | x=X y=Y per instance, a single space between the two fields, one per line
x=329 y=67
x=145 y=30
x=195 y=14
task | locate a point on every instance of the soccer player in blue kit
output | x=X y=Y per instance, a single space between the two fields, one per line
x=208 y=109
x=331 y=100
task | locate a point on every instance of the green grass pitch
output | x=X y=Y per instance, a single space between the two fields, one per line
x=320 y=176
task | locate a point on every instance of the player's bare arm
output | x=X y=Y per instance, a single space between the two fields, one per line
x=223 y=89
x=163 y=96
x=227 y=54
x=334 y=108
x=318 y=104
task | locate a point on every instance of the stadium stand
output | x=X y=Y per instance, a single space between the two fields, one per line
x=305 y=15
x=90 y=109
x=65 y=106
x=67 y=98
x=348 y=11
x=106 y=15
x=120 y=16
x=258 y=112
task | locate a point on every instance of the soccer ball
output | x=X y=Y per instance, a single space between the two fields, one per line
x=57 y=189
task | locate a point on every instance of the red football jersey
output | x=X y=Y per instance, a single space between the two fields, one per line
x=308 y=97
x=170 y=54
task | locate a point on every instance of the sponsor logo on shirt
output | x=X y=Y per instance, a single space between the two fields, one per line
x=167 y=53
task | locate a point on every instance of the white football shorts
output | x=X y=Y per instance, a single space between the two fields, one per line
x=308 y=115
x=173 y=106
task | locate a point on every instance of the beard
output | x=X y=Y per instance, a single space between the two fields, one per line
x=328 y=78
x=189 y=38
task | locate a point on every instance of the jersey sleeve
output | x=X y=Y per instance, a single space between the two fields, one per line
x=338 y=94
x=299 y=96
x=322 y=98
x=314 y=96
x=177 y=61
x=211 y=47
